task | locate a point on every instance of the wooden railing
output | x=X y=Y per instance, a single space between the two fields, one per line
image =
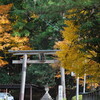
x=94 y=95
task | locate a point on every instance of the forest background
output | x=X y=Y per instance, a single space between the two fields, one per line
x=69 y=25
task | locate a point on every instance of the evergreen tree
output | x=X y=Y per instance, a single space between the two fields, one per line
x=26 y=23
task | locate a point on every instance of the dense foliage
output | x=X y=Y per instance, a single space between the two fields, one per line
x=73 y=24
x=6 y=40
x=28 y=24
x=80 y=46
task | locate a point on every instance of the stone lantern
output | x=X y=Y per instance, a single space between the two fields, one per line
x=46 y=95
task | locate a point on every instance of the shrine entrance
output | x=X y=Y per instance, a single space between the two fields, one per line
x=42 y=59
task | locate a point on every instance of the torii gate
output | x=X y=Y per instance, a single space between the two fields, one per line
x=42 y=59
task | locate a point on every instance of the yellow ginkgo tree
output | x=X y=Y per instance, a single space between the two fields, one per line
x=71 y=54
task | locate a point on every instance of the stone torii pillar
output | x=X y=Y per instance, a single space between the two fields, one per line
x=63 y=82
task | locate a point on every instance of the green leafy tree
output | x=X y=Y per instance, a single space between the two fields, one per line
x=41 y=75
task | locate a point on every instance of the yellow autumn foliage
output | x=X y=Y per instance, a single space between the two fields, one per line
x=70 y=55
x=7 y=41
x=69 y=35
x=4 y=9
